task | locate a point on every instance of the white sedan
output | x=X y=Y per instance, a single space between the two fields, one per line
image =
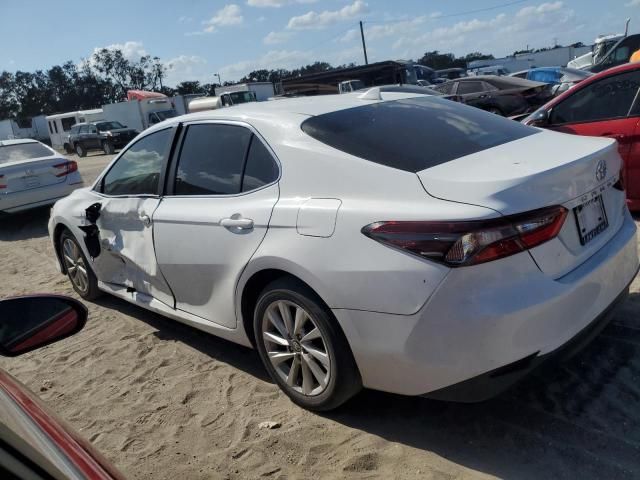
x=33 y=175
x=395 y=241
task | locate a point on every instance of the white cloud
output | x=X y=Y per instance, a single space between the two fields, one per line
x=314 y=20
x=541 y=9
x=131 y=50
x=185 y=19
x=227 y=16
x=275 y=3
x=187 y=68
x=271 y=59
x=273 y=38
x=633 y=3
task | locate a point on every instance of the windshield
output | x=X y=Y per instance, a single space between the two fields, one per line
x=105 y=126
x=242 y=97
x=23 y=151
x=166 y=114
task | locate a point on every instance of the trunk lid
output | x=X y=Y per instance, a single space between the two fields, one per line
x=538 y=171
x=24 y=175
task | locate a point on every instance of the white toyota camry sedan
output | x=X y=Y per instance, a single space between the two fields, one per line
x=403 y=243
x=32 y=175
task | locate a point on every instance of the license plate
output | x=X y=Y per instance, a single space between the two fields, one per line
x=32 y=181
x=591 y=219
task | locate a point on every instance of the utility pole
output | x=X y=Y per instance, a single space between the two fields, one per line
x=364 y=45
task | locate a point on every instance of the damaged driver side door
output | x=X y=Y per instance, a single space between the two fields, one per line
x=128 y=195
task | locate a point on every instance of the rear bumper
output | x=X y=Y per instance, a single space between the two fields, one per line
x=488 y=317
x=38 y=197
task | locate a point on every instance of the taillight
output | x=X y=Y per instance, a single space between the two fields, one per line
x=2 y=184
x=465 y=243
x=66 y=168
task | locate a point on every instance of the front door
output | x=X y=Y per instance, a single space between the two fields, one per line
x=128 y=196
x=214 y=216
x=606 y=109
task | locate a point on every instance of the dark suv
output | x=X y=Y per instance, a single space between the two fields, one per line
x=105 y=136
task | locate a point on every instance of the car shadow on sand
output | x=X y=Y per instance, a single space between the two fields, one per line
x=24 y=225
x=576 y=419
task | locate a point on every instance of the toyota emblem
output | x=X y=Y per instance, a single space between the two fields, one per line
x=601 y=170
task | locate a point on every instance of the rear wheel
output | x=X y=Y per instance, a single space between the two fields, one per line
x=82 y=278
x=108 y=148
x=80 y=150
x=302 y=347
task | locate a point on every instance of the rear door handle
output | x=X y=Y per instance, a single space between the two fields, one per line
x=241 y=223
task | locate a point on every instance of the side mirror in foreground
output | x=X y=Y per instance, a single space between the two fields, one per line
x=31 y=322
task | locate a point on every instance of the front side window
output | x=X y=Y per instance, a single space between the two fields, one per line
x=606 y=99
x=137 y=171
x=211 y=160
x=84 y=129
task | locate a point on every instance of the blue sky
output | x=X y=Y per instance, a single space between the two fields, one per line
x=197 y=38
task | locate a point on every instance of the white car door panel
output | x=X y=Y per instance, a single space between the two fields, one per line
x=201 y=257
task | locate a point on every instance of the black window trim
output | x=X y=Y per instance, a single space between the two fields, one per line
x=635 y=103
x=98 y=186
x=169 y=181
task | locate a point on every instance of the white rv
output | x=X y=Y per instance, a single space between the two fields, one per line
x=60 y=124
x=262 y=91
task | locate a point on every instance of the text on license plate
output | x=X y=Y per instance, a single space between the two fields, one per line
x=591 y=219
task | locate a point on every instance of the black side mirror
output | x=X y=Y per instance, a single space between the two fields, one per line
x=539 y=118
x=31 y=322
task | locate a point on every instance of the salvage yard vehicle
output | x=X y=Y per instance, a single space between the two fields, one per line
x=561 y=78
x=402 y=243
x=105 y=136
x=34 y=443
x=604 y=105
x=60 y=125
x=501 y=95
x=33 y=175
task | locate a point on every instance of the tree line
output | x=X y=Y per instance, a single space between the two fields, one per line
x=106 y=76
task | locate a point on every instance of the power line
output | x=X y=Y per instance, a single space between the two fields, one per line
x=460 y=14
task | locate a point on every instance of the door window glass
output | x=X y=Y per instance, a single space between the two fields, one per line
x=211 y=160
x=469 y=87
x=67 y=123
x=137 y=171
x=55 y=126
x=609 y=98
x=261 y=168
x=84 y=129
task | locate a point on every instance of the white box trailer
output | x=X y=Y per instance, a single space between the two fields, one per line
x=60 y=124
x=12 y=129
x=262 y=90
x=140 y=114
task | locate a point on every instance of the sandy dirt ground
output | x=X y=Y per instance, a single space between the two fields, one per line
x=164 y=401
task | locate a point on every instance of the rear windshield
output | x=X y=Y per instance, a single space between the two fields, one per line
x=23 y=151
x=415 y=133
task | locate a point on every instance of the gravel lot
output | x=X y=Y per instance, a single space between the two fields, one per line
x=162 y=400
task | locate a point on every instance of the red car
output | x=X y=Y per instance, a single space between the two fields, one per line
x=605 y=105
x=34 y=443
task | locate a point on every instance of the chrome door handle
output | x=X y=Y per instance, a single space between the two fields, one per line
x=241 y=223
x=146 y=220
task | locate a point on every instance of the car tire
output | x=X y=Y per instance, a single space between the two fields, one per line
x=108 y=148
x=318 y=373
x=80 y=151
x=67 y=148
x=82 y=278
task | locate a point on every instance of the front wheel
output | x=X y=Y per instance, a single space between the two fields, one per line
x=82 y=278
x=80 y=150
x=302 y=347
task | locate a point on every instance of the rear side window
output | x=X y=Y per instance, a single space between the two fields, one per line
x=414 y=133
x=606 y=99
x=261 y=169
x=211 y=160
x=469 y=87
x=445 y=88
x=23 y=151
x=84 y=129
x=137 y=171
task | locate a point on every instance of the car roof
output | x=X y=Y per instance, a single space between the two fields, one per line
x=293 y=109
x=16 y=141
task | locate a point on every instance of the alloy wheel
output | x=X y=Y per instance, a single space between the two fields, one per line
x=76 y=267
x=296 y=347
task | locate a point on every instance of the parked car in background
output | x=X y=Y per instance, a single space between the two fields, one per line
x=35 y=444
x=33 y=174
x=498 y=70
x=395 y=241
x=451 y=73
x=561 y=78
x=502 y=95
x=604 y=105
x=105 y=136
